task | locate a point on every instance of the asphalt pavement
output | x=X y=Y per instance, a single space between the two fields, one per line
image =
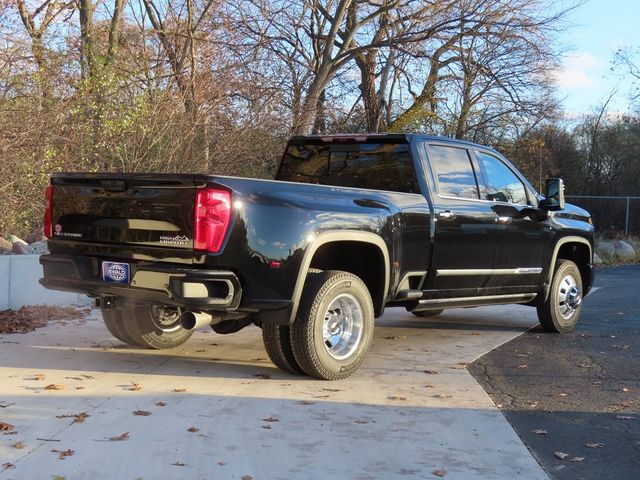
x=579 y=393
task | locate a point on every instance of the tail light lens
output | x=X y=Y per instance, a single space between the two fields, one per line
x=48 y=213
x=212 y=216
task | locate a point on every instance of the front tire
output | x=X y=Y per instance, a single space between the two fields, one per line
x=333 y=329
x=154 y=326
x=561 y=311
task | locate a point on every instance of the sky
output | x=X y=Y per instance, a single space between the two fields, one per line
x=595 y=31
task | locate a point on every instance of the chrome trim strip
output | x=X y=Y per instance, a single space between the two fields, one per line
x=488 y=271
x=525 y=297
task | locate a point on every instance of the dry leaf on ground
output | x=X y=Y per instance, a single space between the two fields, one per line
x=361 y=421
x=179 y=390
x=395 y=397
x=141 y=413
x=8 y=465
x=624 y=417
x=439 y=473
x=18 y=445
x=539 y=431
x=134 y=387
x=5 y=427
x=305 y=402
x=54 y=386
x=120 y=438
x=246 y=477
x=264 y=376
x=271 y=419
x=62 y=454
x=193 y=429
x=577 y=459
x=431 y=372
x=594 y=445
x=178 y=464
x=77 y=417
x=160 y=404
x=561 y=455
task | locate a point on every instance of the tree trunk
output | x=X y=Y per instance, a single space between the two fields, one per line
x=367 y=65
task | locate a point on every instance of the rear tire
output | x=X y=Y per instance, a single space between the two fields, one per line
x=154 y=326
x=277 y=343
x=334 y=325
x=428 y=313
x=112 y=318
x=561 y=311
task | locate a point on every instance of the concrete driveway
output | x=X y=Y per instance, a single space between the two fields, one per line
x=218 y=409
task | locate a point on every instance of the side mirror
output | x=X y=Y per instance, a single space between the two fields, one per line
x=554 y=195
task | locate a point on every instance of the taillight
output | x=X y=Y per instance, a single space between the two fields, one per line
x=48 y=213
x=212 y=216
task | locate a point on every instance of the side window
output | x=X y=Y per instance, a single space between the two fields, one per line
x=454 y=174
x=502 y=183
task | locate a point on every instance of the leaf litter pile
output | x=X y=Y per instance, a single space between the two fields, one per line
x=28 y=318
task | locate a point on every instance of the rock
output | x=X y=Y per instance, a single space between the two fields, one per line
x=14 y=239
x=624 y=251
x=606 y=249
x=35 y=236
x=37 y=248
x=19 y=248
x=5 y=246
x=596 y=259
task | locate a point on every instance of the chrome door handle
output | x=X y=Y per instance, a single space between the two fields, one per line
x=504 y=220
x=446 y=215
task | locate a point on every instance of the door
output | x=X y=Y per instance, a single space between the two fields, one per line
x=519 y=234
x=464 y=240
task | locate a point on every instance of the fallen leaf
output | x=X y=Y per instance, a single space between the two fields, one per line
x=625 y=417
x=79 y=388
x=179 y=390
x=270 y=419
x=221 y=463
x=264 y=376
x=443 y=395
x=160 y=404
x=577 y=459
x=523 y=366
x=120 y=438
x=77 y=417
x=561 y=455
x=246 y=477
x=178 y=464
x=142 y=413
x=88 y=376
x=429 y=386
x=332 y=389
x=596 y=383
x=594 y=445
x=394 y=397
x=431 y=372
x=474 y=333
x=18 y=445
x=38 y=377
x=625 y=389
x=193 y=429
x=361 y=421
x=563 y=394
x=305 y=402
x=266 y=427
x=58 y=477
x=584 y=365
x=395 y=337
x=134 y=387
x=439 y=473
x=8 y=465
x=6 y=427
x=539 y=431
x=54 y=386
x=62 y=454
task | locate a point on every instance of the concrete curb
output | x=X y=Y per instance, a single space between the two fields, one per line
x=19 y=275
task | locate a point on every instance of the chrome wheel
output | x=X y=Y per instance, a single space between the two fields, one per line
x=343 y=326
x=166 y=319
x=569 y=296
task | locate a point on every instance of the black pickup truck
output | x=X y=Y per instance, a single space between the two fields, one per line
x=350 y=225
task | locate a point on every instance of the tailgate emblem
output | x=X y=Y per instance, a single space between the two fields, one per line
x=177 y=240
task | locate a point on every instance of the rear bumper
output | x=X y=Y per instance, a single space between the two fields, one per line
x=167 y=284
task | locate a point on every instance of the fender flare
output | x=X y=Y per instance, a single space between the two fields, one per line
x=331 y=237
x=554 y=257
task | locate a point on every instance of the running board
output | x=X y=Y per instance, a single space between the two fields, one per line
x=461 y=302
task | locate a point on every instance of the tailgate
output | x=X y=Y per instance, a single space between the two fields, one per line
x=133 y=209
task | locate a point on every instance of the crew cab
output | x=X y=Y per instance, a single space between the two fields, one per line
x=351 y=225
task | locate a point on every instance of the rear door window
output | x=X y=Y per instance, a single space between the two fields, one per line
x=454 y=173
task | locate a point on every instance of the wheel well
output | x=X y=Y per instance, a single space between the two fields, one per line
x=579 y=254
x=360 y=258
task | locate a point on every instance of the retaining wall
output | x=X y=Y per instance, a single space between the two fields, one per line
x=19 y=285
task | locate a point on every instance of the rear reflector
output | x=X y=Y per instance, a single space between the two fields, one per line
x=212 y=216
x=48 y=213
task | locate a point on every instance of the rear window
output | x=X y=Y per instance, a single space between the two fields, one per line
x=377 y=166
